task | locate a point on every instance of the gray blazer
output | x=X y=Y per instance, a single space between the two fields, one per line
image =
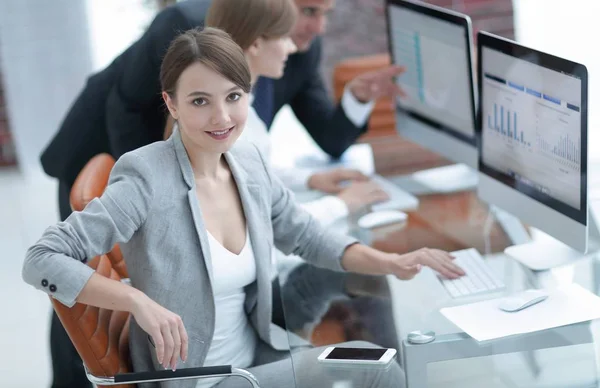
x=150 y=207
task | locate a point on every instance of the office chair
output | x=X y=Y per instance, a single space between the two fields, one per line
x=101 y=336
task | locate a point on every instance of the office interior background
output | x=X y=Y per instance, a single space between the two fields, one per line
x=48 y=48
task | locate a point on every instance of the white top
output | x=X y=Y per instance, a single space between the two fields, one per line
x=329 y=208
x=234 y=340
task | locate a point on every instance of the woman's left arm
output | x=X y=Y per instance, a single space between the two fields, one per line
x=366 y=260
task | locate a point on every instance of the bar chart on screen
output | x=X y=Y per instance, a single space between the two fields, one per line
x=565 y=150
x=505 y=122
x=551 y=131
x=533 y=135
x=407 y=46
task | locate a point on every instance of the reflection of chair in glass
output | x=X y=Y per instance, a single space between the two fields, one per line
x=327 y=307
x=101 y=336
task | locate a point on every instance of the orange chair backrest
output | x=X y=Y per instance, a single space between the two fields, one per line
x=90 y=183
x=100 y=336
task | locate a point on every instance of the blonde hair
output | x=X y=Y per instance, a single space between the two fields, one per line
x=248 y=20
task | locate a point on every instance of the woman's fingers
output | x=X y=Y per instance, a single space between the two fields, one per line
x=176 y=342
x=184 y=341
x=436 y=259
x=376 y=197
x=350 y=175
x=159 y=344
x=379 y=196
x=442 y=262
x=448 y=261
x=455 y=269
x=165 y=330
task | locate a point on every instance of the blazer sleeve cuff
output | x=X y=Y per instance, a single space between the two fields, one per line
x=333 y=249
x=357 y=112
x=63 y=281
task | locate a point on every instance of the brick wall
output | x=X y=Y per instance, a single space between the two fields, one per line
x=7 y=149
x=357 y=27
x=495 y=16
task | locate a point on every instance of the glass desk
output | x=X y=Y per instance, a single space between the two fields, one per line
x=326 y=308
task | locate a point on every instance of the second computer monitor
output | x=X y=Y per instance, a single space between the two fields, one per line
x=434 y=44
x=533 y=148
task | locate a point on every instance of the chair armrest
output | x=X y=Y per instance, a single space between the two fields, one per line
x=179 y=374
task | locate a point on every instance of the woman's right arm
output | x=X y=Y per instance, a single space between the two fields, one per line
x=56 y=263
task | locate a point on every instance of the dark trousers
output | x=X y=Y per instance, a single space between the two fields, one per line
x=67 y=367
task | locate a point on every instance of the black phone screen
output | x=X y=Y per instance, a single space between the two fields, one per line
x=355 y=354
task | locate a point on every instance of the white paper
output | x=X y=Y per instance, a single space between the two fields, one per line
x=565 y=306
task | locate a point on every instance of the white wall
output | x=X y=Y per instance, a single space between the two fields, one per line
x=570 y=29
x=114 y=25
x=47 y=50
x=45 y=57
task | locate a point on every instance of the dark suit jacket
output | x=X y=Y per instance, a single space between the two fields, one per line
x=121 y=109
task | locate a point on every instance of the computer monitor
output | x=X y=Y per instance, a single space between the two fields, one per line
x=533 y=139
x=434 y=44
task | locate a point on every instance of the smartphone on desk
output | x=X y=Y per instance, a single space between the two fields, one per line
x=357 y=356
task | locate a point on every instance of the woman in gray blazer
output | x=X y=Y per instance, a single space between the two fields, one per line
x=163 y=201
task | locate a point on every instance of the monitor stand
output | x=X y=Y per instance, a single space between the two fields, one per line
x=546 y=252
x=447 y=179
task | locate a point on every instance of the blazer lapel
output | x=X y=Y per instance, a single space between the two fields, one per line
x=188 y=177
x=251 y=195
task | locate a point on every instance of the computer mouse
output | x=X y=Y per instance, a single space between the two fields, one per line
x=522 y=301
x=381 y=218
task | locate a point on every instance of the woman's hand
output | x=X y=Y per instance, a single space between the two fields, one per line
x=164 y=327
x=361 y=194
x=363 y=259
x=406 y=266
x=331 y=182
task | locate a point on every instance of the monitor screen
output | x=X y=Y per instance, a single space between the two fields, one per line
x=434 y=46
x=533 y=136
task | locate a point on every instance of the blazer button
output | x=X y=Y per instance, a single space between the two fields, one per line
x=44 y=283
x=52 y=288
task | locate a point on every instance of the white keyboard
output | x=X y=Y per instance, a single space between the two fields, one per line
x=399 y=199
x=479 y=276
